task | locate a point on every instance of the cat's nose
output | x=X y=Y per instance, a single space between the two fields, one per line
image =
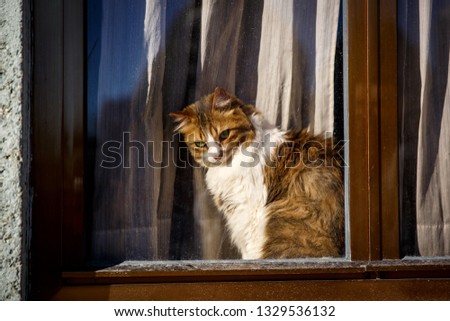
x=214 y=151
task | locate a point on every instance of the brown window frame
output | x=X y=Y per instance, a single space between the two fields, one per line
x=375 y=271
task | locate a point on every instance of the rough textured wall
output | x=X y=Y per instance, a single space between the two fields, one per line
x=14 y=148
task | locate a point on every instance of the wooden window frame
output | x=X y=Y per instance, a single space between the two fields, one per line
x=376 y=270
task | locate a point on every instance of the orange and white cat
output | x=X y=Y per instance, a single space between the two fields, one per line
x=281 y=192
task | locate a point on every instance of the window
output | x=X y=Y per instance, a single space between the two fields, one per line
x=376 y=269
x=148 y=200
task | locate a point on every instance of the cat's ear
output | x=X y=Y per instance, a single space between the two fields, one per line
x=181 y=118
x=223 y=100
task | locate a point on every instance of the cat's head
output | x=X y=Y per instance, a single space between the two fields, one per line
x=215 y=127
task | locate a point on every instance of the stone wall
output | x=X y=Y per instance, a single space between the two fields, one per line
x=14 y=147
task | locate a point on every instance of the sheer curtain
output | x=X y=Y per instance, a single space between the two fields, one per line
x=424 y=100
x=279 y=57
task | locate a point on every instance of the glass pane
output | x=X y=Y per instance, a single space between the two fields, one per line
x=424 y=115
x=148 y=197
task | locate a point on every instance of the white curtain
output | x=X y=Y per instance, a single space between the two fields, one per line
x=296 y=63
x=294 y=77
x=279 y=57
x=425 y=121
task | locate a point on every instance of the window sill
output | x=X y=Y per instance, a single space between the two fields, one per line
x=269 y=270
x=407 y=279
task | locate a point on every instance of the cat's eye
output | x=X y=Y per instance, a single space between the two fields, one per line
x=200 y=144
x=224 y=135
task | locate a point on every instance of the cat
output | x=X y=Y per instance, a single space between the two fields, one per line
x=281 y=192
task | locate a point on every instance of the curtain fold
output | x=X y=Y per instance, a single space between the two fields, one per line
x=279 y=57
x=296 y=63
x=425 y=123
x=147 y=124
x=433 y=159
x=326 y=39
x=276 y=63
x=220 y=30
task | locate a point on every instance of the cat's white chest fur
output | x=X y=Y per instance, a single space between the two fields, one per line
x=240 y=192
x=241 y=195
